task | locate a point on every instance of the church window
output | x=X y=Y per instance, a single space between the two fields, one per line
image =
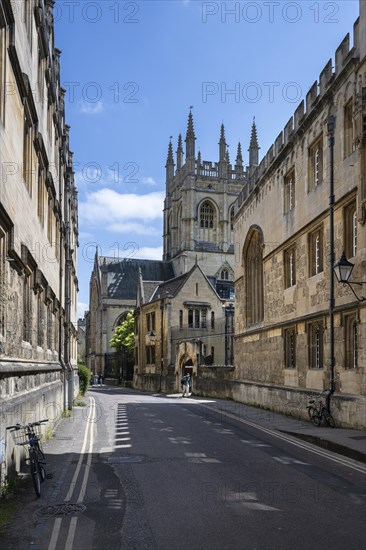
x=290 y=267
x=254 y=279
x=41 y=194
x=50 y=220
x=224 y=274
x=27 y=153
x=289 y=192
x=316 y=252
x=350 y=231
x=316 y=164
x=348 y=129
x=316 y=345
x=180 y=319
x=28 y=20
x=232 y=219
x=27 y=308
x=40 y=321
x=207 y=215
x=352 y=341
x=212 y=319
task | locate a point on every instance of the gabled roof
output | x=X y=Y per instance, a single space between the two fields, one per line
x=173 y=286
x=122 y=275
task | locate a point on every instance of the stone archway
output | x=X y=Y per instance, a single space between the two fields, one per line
x=186 y=365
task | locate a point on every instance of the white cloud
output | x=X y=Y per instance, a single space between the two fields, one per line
x=82 y=308
x=149 y=253
x=149 y=181
x=88 y=108
x=113 y=209
x=136 y=228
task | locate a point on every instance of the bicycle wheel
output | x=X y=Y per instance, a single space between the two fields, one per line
x=39 y=451
x=36 y=476
x=328 y=418
x=314 y=416
x=42 y=472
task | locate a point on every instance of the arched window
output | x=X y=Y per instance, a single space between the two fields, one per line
x=253 y=263
x=232 y=219
x=224 y=274
x=207 y=215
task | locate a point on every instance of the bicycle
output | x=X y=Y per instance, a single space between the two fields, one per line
x=35 y=451
x=318 y=412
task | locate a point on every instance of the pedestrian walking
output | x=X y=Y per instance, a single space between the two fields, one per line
x=101 y=380
x=186 y=384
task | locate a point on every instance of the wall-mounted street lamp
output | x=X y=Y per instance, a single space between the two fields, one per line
x=343 y=271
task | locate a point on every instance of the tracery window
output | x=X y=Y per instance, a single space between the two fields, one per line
x=254 y=279
x=207 y=215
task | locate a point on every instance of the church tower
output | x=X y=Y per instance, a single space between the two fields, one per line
x=198 y=207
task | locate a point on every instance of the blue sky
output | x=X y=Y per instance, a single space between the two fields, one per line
x=132 y=70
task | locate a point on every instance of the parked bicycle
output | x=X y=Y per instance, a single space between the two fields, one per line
x=28 y=436
x=318 y=412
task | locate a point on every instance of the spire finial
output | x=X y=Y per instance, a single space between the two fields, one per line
x=253 y=147
x=253 y=137
x=190 y=137
x=170 y=159
x=180 y=152
x=239 y=156
x=222 y=144
x=190 y=126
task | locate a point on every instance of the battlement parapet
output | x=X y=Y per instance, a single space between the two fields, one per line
x=343 y=55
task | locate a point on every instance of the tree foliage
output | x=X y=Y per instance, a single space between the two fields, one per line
x=124 y=334
x=84 y=379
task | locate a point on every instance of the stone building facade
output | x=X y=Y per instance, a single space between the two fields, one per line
x=38 y=225
x=113 y=292
x=198 y=229
x=282 y=227
x=198 y=208
x=180 y=328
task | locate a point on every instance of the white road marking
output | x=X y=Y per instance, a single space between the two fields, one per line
x=89 y=431
x=306 y=446
x=55 y=533
x=289 y=460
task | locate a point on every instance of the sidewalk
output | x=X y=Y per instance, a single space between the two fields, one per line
x=346 y=442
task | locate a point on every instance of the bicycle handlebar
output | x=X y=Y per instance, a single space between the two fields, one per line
x=30 y=425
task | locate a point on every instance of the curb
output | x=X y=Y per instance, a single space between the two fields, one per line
x=330 y=446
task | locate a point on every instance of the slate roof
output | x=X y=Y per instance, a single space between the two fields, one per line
x=123 y=275
x=171 y=287
x=149 y=289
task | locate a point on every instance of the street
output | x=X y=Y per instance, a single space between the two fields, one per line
x=135 y=471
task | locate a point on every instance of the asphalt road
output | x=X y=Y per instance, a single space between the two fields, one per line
x=142 y=472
